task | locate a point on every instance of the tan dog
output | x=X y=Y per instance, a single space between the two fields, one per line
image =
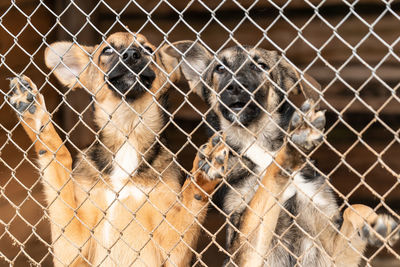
x=121 y=202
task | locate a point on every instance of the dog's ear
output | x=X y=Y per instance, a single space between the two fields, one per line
x=194 y=59
x=68 y=61
x=296 y=83
x=308 y=86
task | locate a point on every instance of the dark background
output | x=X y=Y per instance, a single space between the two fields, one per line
x=356 y=64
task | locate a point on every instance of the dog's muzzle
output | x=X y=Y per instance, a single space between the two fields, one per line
x=236 y=97
x=132 y=77
x=238 y=103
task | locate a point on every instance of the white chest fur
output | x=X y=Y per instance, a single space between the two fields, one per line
x=125 y=162
x=260 y=156
x=307 y=190
x=263 y=158
x=121 y=186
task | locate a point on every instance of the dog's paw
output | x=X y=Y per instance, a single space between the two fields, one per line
x=22 y=95
x=28 y=103
x=383 y=227
x=213 y=157
x=308 y=128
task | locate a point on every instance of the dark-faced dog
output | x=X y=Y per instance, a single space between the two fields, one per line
x=281 y=211
x=121 y=203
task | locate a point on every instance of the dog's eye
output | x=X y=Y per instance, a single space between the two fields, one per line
x=107 y=51
x=260 y=66
x=148 y=49
x=220 y=69
x=263 y=66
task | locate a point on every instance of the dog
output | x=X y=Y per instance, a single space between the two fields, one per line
x=121 y=202
x=289 y=216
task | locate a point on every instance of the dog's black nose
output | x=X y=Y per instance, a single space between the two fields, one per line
x=236 y=88
x=131 y=54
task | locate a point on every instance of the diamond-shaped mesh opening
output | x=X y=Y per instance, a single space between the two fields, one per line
x=98 y=167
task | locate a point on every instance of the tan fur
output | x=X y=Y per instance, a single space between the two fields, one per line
x=158 y=223
x=259 y=220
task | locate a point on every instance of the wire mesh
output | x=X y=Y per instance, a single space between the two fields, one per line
x=350 y=47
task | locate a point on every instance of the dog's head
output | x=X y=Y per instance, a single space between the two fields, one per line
x=122 y=66
x=241 y=83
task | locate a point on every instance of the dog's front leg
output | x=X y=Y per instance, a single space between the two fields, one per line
x=68 y=234
x=190 y=211
x=259 y=220
x=362 y=226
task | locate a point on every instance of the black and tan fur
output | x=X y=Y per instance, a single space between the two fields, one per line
x=287 y=218
x=121 y=202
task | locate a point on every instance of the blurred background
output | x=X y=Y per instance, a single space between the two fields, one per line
x=350 y=47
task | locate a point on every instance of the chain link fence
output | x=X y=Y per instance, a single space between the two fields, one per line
x=350 y=47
